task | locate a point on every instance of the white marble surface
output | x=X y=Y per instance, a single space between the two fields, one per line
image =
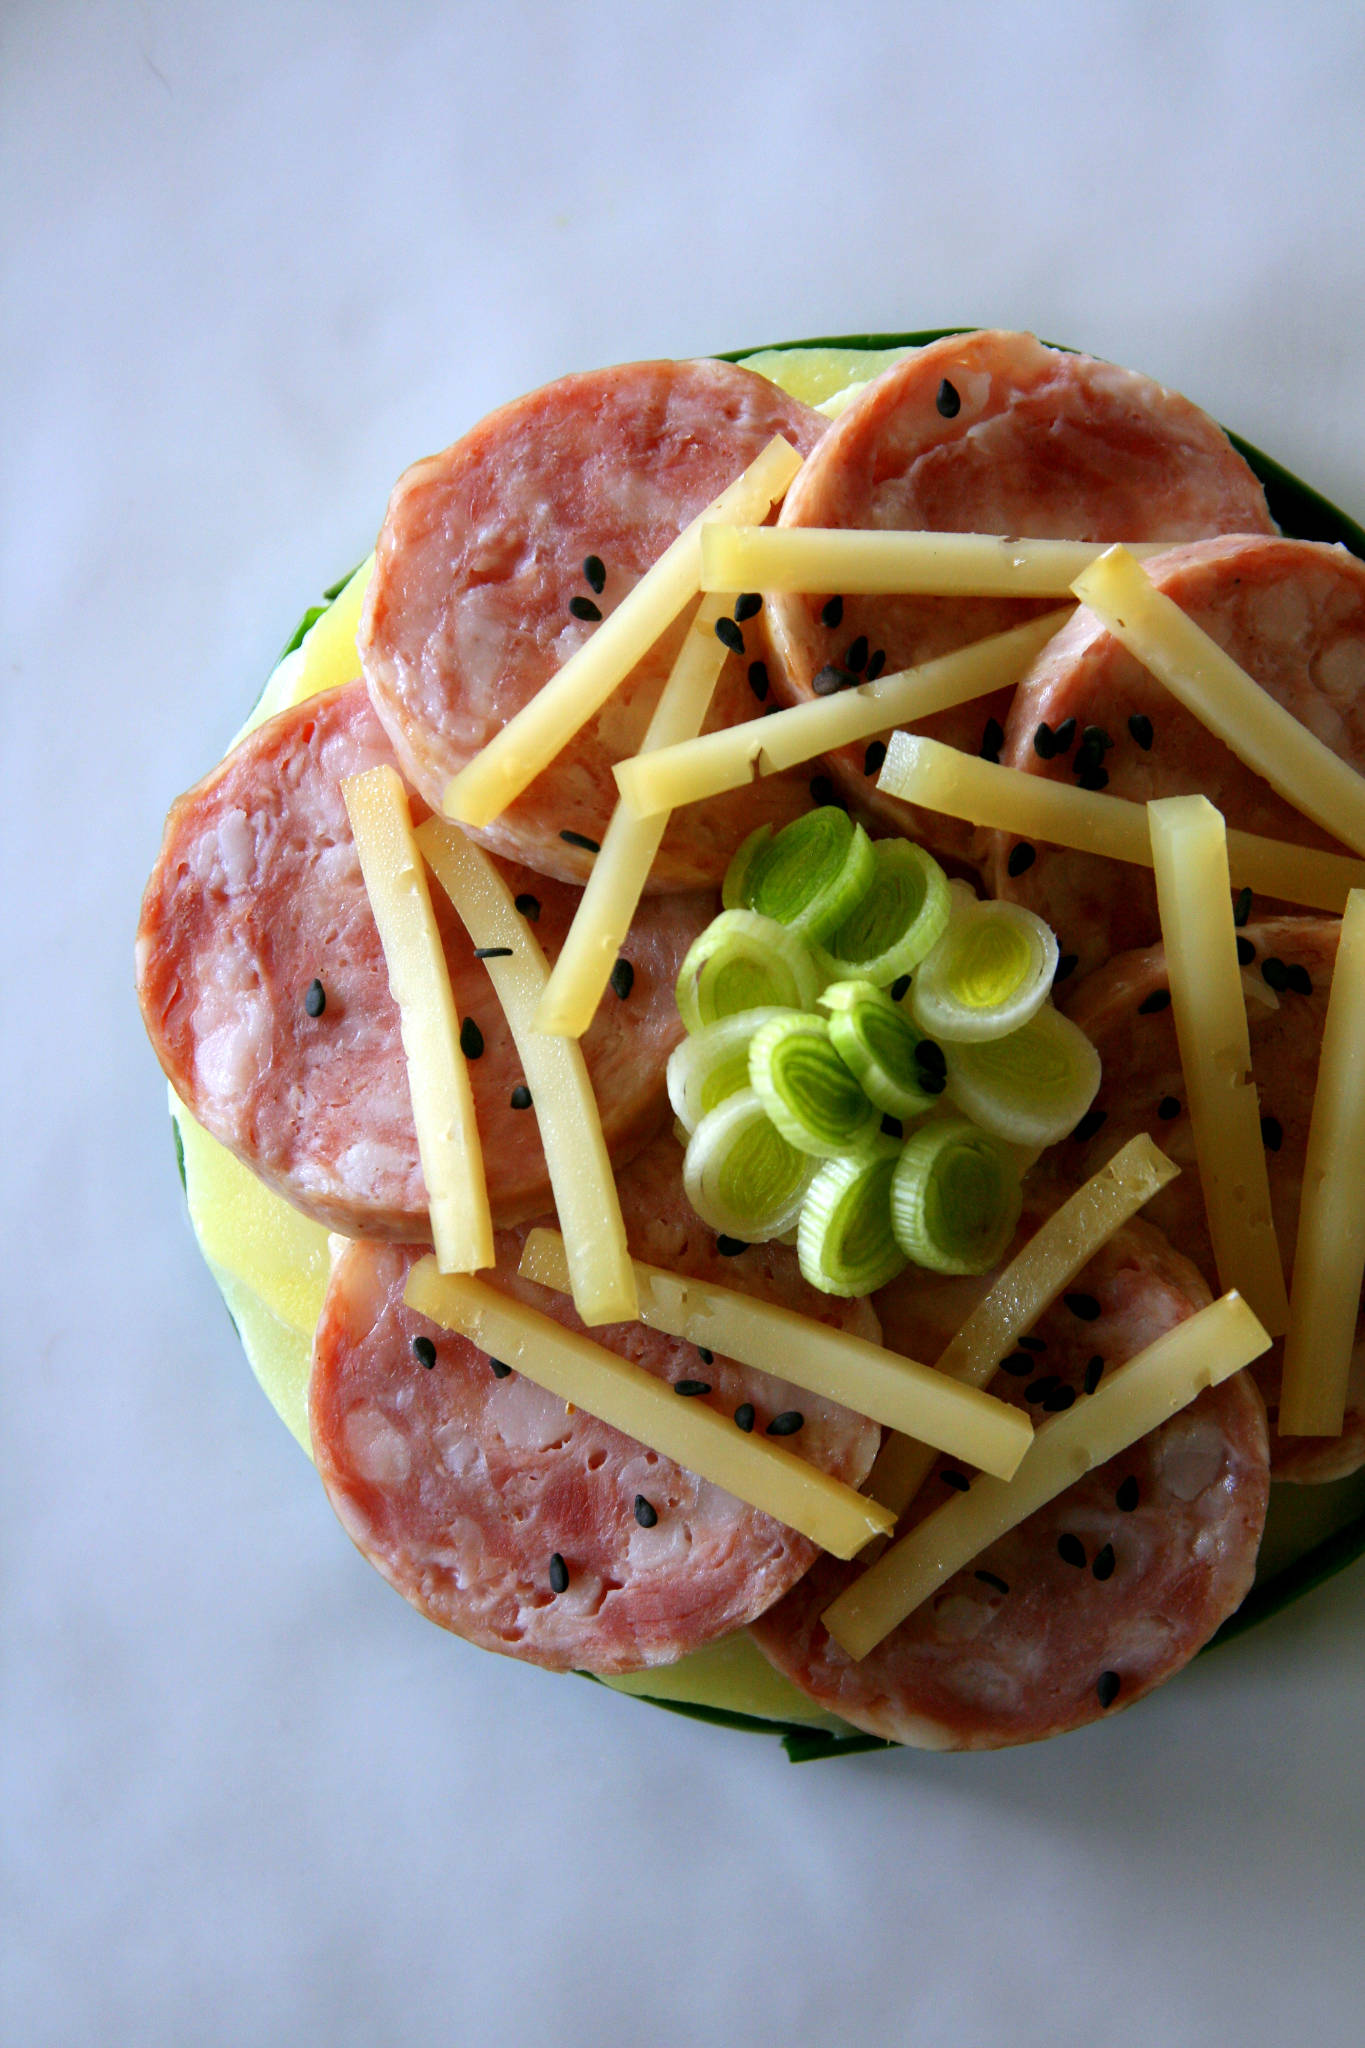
x=255 y=258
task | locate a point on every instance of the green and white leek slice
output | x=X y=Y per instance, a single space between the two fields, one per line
x=955 y=1197
x=712 y=1064
x=845 y=1242
x=736 y=882
x=876 y=1040
x=1031 y=1087
x=990 y=972
x=744 y=962
x=809 y=876
x=901 y=916
x=811 y=1096
x=741 y=1175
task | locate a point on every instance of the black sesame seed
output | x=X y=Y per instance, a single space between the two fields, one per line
x=929 y=1058
x=1096 y=736
x=992 y=740
x=520 y=1098
x=1094 y=778
x=1246 y=952
x=1167 y=1108
x=1067 y=963
x=1241 y=909
x=874 y=757
x=744 y=1416
x=1045 y=742
x=529 y=906
x=747 y=604
x=499 y=1369
x=1272 y=1133
x=559 y=1574
x=832 y=612
x=1128 y=1494
x=1107 y=1688
x=1093 y=1369
x=691 y=1388
x=855 y=654
x=957 y=1480
x=1276 y=974
x=758 y=679
x=1059 y=1400
x=1021 y=858
x=1064 y=735
x=829 y=680
x=1103 y=1567
x=1040 y=1389
x=706 y=1357
x=1018 y=1365
x=584 y=608
x=821 y=790
x=315 y=999
x=1089 y=1124
x=1159 y=999
x=1084 y=1307
x=1298 y=979
x=731 y=1247
x=645 y=1514
x=876 y=663
x=948 y=400
x=1088 y=759
x=730 y=635
x=900 y=988
x=1032 y=1343
x=622 y=979
x=787 y=1423
x=424 y=1351
x=1140 y=727
x=492 y=952
x=580 y=839
x=595 y=573
x=471 y=1039
x=1070 y=1549
x=993 y=1580
x=892 y=1127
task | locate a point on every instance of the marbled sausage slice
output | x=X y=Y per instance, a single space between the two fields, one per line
x=1124 y=1007
x=460 y=1486
x=1292 y=612
x=1041 y=444
x=481 y=555
x=258 y=892
x=1126 y=1573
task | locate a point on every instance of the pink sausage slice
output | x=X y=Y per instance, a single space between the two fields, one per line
x=1292 y=612
x=1125 y=1008
x=1103 y=1593
x=480 y=571
x=461 y=1486
x=257 y=895
x=992 y=433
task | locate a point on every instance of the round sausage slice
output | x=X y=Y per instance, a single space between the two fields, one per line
x=991 y=433
x=1125 y=1009
x=256 y=916
x=461 y=1484
x=1097 y=1597
x=1292 y=613
x=480 y=594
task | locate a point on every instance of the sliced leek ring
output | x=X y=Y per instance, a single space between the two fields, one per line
x=1032 y=1086
x=989 y=973
x=955 y=1197
x=845 y=1241
x=713 y=1063
x=875 y=1039
x=740 y=1174
x=744 y=962
x=900 y=917
x=811 y=1096
x=809 y=876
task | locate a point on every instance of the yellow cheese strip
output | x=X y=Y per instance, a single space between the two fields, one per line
x=1222 y=696
x=926 y=772
x=622 y=866
x=863 y=1376
x=1194 y=898
x=630 y=1399
x=562 y=1095
x=530 y=740
x=1032 y=1280
x=874 y=563
x=442 y=1101
x=734 y=756
x=1329 y=1257
x=1135 y=1399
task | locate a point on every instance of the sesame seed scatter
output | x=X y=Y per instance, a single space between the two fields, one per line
x=1103 y=1566
x=1067 y=963
x=787 y=1423
x=731 y=1247
x=559 y=1574
x=471 y=1039
x=829 y=680
x=706 y=1357
x=1032 y=1343
x=1159 y=999
x=1094 y=1371
x=1168 y=1108
x=690 y=1389
x=1058 y=1400
x=744 y=1416
x=1241 y=909
x=1298 y=979
x=730 y=635
x=424 y=1351
x=948 y=400
x=1021 y=858
x=520 y=1098
x=832 y=612
x=747 y=605
x=315 y=999
x=993 y=1580
x=1092 y=1121
x=1128 y=1494
x=900 y=988
x=1018 y=1365
x=758 y=679
x=580 y=839
x=529 y=906
x=1084 y=1307
x=822 y=790
x=499 y=1369
x=856 y=653
x=892 y=1127
x=1041 y=1388
x=595 y=574
x=584 y=608
x=1275 y=974
x=645 y=1513
x=1272 y=1133
x=492 y=952
x=1107 y=1688
x=1071 y=1550
x=874 y=757
x=957 y=1480
x=1246 y=951
x=1140 y=730
x=992 y=740
x=875 y=664
x=622 y=979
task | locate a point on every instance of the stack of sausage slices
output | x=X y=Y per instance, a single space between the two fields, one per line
x=412 y=956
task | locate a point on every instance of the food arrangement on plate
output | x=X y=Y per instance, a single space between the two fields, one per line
x=777 y=1102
